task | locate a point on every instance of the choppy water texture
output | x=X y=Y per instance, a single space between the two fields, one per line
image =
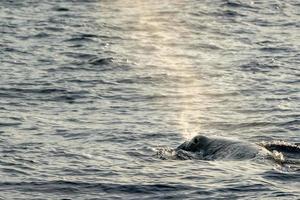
x=90 y=88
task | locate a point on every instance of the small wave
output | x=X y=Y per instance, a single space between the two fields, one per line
x=92 y=81
x=68 y=154
x=79 y=39
x=255 y=66
x=68 y=187
x=82 y=37
x=45 y=94
x=231 y=13
x=292 y=122
x=79 y=55
x=5 y=124
x=236 y=4
x=279 y=174
x=32 y=90
x=54 y=29
x=277 y=49
x=61 y=9
x=101 y=61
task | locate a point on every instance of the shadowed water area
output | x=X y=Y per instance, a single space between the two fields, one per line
x=90 y=89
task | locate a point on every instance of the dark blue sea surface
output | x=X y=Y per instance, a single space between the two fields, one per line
x=89 y=89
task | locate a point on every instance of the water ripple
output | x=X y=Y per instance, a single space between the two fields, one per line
x=89 y=88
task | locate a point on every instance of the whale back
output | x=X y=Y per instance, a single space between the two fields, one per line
x=196 y=144
x=221 y=148
x=287 y=149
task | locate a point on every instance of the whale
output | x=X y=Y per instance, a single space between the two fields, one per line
x=219 y=148
x=216 y=148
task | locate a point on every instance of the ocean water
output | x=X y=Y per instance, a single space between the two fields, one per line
x=89 y=89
